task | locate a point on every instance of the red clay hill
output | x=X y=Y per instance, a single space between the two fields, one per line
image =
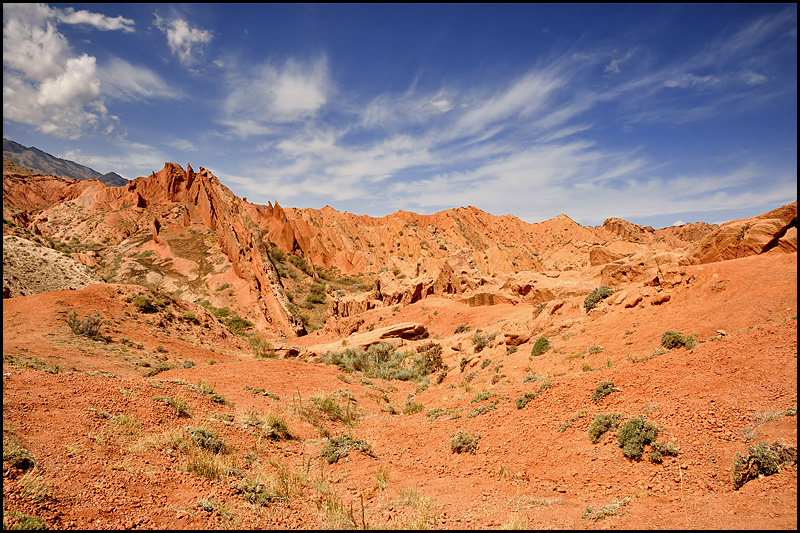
x=177 y=357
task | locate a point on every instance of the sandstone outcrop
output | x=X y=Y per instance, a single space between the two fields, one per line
x=463 y=253
x=749 y=236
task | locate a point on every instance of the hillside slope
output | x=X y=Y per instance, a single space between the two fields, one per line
x=228 y=365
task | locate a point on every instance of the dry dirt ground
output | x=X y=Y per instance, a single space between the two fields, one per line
x=110 y=451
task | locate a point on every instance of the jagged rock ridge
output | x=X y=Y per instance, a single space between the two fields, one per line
x=461 y=253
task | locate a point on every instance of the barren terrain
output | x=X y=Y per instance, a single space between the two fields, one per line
x=217 y=320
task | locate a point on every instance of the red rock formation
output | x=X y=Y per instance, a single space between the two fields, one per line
x=749 y=236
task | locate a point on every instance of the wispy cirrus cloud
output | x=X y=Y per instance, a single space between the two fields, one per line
x=124 y=81
x=265 y=97
x=97 y=20
x=525 y=146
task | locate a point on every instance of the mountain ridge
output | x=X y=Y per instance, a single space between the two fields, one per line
x=41 y=162
x=462 y=252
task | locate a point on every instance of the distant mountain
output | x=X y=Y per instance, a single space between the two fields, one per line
x=44 y=163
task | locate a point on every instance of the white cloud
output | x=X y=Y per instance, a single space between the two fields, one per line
x=129 y=159
x=613 y=66
x=182 y=144
x=184 y=41
x=124 y=81
x=32 y=45
x=521 y=99
x=683 y=80
x=48 y=86
x=753 y=78
x=267 y=96
x=99 y=21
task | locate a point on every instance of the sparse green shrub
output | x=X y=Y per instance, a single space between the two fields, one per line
x=604 y=389
x=157 y=369
x=481 y=397
x=635 y=434
x=328 y=407
x=88 y=327
x=522 y=401
x=481 y=409
x=461 y=328
x=594 y=297
x=595 y=349
x=341 y=445
x=659 y=449
x=256 y=492
x=206 y=439
x=761 y=460
x=432 y=352
x=262 y=348
x=22 y=521
x=463 y=441
x=18 y=456
x=238 y=325
x=479 y=340
x=146 y=303
x=413 y=407
x=316 y=294
x=277 y=428
x=180 y=405
x=382 y=360
x=611 y=509
x=603 y=423
x=672 y=339
x=540 y=346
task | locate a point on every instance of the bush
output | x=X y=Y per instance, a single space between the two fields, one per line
x=277 y=428
x=317 y=294
x=761 y=460
x=659 y=449
x=604 y=389
x=341 y=445
x=464 y=442
x=383 y=361
x=18 y=456
x=612 y=509
x=481 y=409
x=256 y=493
x=672 y=339
x=180 y=405
x=262 y=349
x=522 y=401
x=481 y=341
x=146 y=303
x=432 y=352
x=22 y=521
x=413 y=407
x=634 y=435
x=594 y=297
x=88 y=327
x=206 y=439
x=238 y=325
x=540 y=346
x=603 y=423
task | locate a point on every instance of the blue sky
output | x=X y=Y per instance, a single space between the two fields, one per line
x=658 y=114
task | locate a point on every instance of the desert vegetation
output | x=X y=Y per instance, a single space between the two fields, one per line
x=240 y=377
